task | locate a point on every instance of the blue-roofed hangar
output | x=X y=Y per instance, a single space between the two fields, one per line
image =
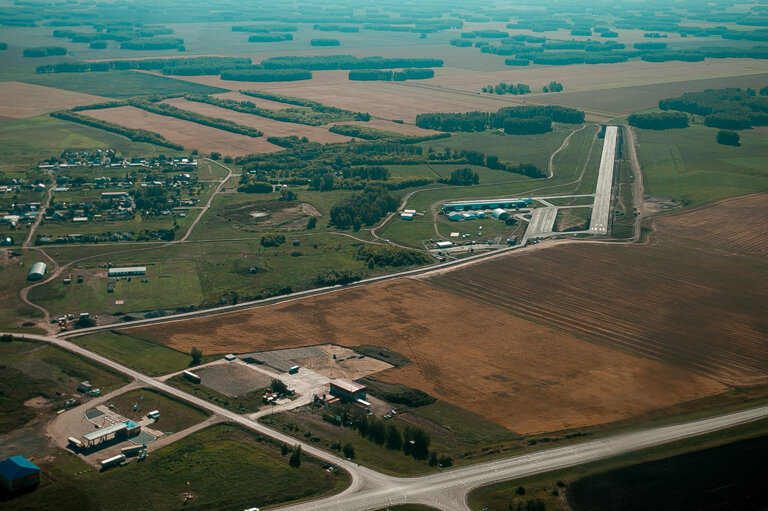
x=18 y=473
x=487 y=204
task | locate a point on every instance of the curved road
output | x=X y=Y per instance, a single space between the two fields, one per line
x=448 y=489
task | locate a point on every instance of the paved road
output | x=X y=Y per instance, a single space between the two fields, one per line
x=602 y=207
x=448 y=489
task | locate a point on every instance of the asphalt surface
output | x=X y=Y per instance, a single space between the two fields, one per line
x=446 y=490
x=602 y=206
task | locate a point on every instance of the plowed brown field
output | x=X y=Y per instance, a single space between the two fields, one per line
x=683 y=300
x=188 y=134
x=739 y=224
x=518 y=374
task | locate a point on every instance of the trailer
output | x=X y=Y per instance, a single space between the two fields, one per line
x=189 y=375
x=293 y=370
x=74 y=443
x=154 y=414
x=111 y=462
x=133 y=450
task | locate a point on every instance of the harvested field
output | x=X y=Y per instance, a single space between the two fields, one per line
x=19 y=100
x=270 y=127
x=680 y=301
x=739 y=224
x=232 y=379
x=188 y=134
x=466 y=353
x=456 y=89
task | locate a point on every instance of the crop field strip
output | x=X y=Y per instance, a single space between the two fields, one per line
x=186 y=133
x=19 y=100
x=671 y=309
x=270 y=127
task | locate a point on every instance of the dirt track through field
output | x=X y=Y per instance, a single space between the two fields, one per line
x=523 y=376
x=189 y=134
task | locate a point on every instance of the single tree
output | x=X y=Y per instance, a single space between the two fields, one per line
x=197 y=355
x=295 y=459
x=349 y=451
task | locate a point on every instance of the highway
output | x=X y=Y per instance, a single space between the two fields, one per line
x=448 y=489
x=602 y=206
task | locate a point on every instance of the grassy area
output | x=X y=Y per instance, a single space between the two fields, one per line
x=29 y=369
x=175 y=415
x=511 y=148
x=167 y=285
x=120 y=84
x=14 y=268
x=144 y=356
x=248 y=403
x=28 y=141
x=249 y=471
x=550 y=486
x=572 y=219
x=687 y=164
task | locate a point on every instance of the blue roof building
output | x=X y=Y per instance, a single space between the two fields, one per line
x=18 y=473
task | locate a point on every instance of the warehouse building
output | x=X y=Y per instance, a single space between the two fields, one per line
x=18 y=473
x=127 y=271
x=119 y=430
x=488 y=204
x=347 y=390
x=37 y=272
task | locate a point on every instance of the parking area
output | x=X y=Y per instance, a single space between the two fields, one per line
x=232 y=379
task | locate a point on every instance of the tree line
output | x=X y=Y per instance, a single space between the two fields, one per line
x=388 y=75
x=324 y=42
x=153 y=43
x=462 y=177
x=658 y=121
x=366 y=133
x=479 y=121
x=269 y=38
x=192 y=66
x=504 y=88
x=264 y=29
x=258 y=74
x=43 y=51
x=325 y=62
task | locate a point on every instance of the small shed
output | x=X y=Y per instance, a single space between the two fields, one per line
x=18 y=473
x=37 y=272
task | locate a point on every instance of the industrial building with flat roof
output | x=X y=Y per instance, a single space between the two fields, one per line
x=472 y=205
x=347 y=389
x=120 y=429
x=127 y=271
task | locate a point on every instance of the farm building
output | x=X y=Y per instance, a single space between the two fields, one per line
x=18 y=473
x=37 y=272
x=127 y=271
x=406 y=216
x=347 y=390
x=444 y=244
x=5 y=241
x=489 y=204
x=468 y=216
x=454 y=217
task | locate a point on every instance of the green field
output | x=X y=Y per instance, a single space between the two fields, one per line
x=687 y=165
x=227 y=468
x=29 y=369
x=175 y=415
x=28 y=141
x=120 y=84
x=144 y=356
x=13 y=275
x=550 y=486
x=167 y=285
